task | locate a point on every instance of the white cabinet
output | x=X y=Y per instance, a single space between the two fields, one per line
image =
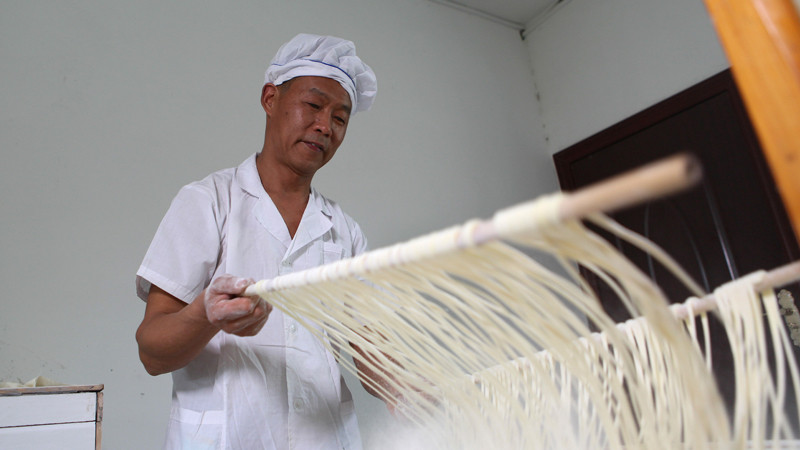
x=52 y=417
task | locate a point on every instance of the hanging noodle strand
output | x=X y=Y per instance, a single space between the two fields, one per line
x=481 y=346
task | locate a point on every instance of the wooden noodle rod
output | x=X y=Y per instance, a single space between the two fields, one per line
x=779 y=276
x=653 y=181
x=650 y=182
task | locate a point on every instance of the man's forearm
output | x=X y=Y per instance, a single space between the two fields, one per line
x=172 y=333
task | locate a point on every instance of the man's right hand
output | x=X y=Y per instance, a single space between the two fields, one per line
x=228 y=310
x=173 y=333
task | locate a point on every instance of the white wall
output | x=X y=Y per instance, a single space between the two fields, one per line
x=108 y=107
x=598 y=62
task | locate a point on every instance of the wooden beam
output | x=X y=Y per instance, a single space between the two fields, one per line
x=762 y=41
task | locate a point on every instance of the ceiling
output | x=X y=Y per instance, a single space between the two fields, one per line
x=513 y=13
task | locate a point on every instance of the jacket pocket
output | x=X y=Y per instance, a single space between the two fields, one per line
x=331 y=252
x=194 y=429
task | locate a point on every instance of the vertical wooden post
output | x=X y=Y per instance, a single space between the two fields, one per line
x=762 y=41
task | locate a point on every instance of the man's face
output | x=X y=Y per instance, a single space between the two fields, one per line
x=307 y=119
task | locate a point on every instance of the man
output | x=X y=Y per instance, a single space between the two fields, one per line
x=245 y=376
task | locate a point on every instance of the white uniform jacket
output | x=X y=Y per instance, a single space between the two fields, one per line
x=281 y=388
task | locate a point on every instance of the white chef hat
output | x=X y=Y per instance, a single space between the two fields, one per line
x=325 y=56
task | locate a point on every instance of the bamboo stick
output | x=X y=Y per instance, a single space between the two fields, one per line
x=776 y=277
x=650 y=182
x=653 y=181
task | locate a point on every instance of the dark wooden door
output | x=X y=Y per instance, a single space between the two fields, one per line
x=732 y=224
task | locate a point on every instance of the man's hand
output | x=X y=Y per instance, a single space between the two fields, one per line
x=377 y=376
x=229 y=311
x=173 y=333
x=376 y=379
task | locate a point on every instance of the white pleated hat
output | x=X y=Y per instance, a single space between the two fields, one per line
x=325 y=56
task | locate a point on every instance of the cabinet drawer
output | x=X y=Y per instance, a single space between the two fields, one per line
x=51 y=417
x=47 y=409
x=63 y=436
